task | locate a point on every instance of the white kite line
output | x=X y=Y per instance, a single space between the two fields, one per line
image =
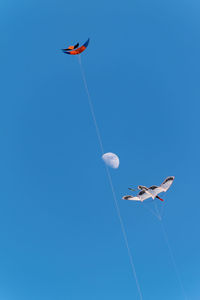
x=171 y=252
x=110 y=180
x=158 y=215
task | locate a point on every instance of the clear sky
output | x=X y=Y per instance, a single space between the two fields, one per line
x=59 y=233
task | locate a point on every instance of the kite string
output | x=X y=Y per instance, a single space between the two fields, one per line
x=91 y=105
x=110 y=181
x=157 y=210
x=151 y=211
x=170 y=251
x=173 y=259
x=124 y=233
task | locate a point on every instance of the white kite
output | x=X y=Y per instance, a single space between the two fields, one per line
x=151 y=192
x=111 y=160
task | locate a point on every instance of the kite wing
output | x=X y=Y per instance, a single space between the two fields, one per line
x=143 y=195
x=167 y=183
x=76 y=46
x=129 y=197
x=155 y=190
x=78 y=50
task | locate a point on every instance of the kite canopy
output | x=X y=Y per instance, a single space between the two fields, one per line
x=79 y=50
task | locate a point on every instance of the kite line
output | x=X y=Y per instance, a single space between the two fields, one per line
x=159 y=216
x=173 y=259
x=110 y=179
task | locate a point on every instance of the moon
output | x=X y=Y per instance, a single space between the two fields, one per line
x=111 y=160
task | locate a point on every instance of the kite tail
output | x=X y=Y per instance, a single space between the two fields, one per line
x=159 y=198
x=110 y=180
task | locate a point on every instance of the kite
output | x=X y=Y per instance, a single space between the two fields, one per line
x=73 y=50
x=151 y=192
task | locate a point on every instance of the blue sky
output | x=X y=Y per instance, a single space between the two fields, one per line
x=59 y=233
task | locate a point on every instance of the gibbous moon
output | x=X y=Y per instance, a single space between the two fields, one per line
x=111 y=160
